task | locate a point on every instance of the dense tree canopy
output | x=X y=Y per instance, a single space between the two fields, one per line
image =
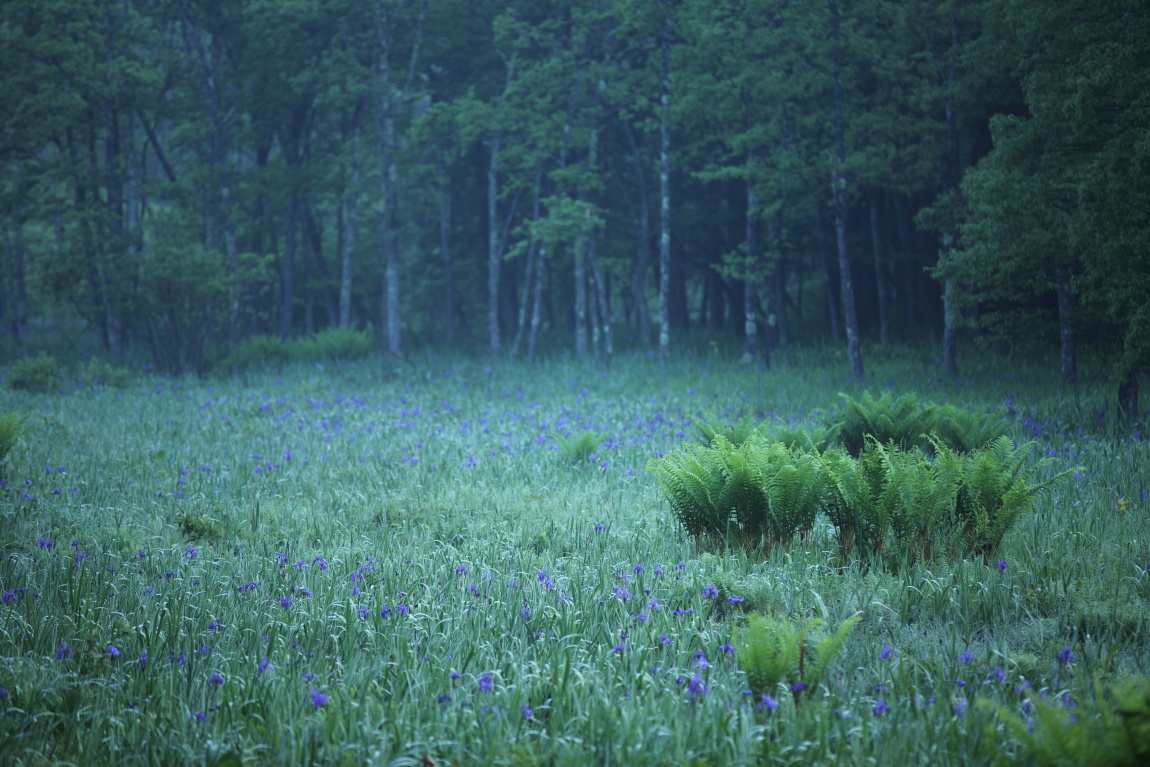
x=182 y=174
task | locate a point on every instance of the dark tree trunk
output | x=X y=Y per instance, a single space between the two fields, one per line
x=949 y=178
x=1128 y=396
x=640 y=312
x=287 y=266
x=351 y=228
x=909 y=265
x=829 y=281
x=665 y=200
x=838 y=184
x=879 y=268
x=448 y=308
x=750 y=324
x=1068 y=354
x=494 y=257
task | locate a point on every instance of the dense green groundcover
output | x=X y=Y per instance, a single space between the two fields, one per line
x=344 y=565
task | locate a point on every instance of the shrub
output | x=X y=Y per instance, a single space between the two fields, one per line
x=736 y=433
x=908 y=423
x=1112 y=728
x=580 y=447
x=12 y=427
x=760 y=492
x=36 y=374
x=994 y=492
x=335 y=344
x=770 y=651
x=99 y=373
x=256 y=352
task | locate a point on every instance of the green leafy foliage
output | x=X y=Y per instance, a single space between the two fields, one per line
x=994 y=492
x=579 y=447
x=37 y=374
x=264 y=351
x=759 y=492
x=771 y=650
x=96 y=372
x=1111 y=728
x=906 y=422
x=736 y=433
x=12 y=427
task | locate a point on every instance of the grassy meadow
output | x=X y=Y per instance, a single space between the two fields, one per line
x=332 y=564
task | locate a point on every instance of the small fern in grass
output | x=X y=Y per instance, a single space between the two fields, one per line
x=770 y=651
x=12 y=427
x=1113 y=728
x=580 y=447
x=736 y=433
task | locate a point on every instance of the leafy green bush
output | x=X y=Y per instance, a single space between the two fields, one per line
x=580 y=447
x=99 y=373
x=1113 y=728
x=12 y=427
x=36 y=374
x=334 y=344
x=770 y=651
x=258 y=351
x=908 y=423
x=994 y=492
x=736 y=433
x=757 y=491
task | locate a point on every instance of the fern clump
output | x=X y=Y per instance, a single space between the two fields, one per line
x=39 y=374
x=580 y=447
x=907 y=423
x=757 y=491
x=770 y=651
x=994 y=492
x=1113 y=728
x=798 y=438
x=736 y=433
x=12 y=427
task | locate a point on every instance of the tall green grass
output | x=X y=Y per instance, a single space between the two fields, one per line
x=551 y=612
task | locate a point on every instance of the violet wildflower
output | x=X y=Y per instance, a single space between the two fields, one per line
x=1066 y=656
x=960 y=708
x=113 y=651
x=63 y=651
x=600 y=528
x=638 y=569
x=666 y=640
x=999 y=674
x=620 y=648
x=215 y=626
x=710 y=592
x=880 y=707
x=485 y=682
x=698 y=687
x=767 y=702
x=191 y=552
x=318 y=699
x=966 y=656
x=527 y=712
x=797 y=687
x=263 y=666
x=402 y=609
x=888 y=652
x=461 y=570
x=285 y=602
x=197 y=717
x=143 y=661
x=735 y=600
x=1000 y=565
x=216 y=679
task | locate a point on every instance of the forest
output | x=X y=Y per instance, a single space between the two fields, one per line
x=178 y=177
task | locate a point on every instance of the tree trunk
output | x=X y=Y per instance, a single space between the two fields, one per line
x=351 y=203
x=494 y=257
x=665 y=200
x=529 y=269
x=879 y=268
x=909 y=264
x=829 y=280
x=287 y=266
x=448 y=308
x=642 y=315
x=750 y=325
x=1128 y=396
x=838 y=184
x=1068 y=354
x=537 y=302
x=949 y=179
x=601 y=301
x=580 y=295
